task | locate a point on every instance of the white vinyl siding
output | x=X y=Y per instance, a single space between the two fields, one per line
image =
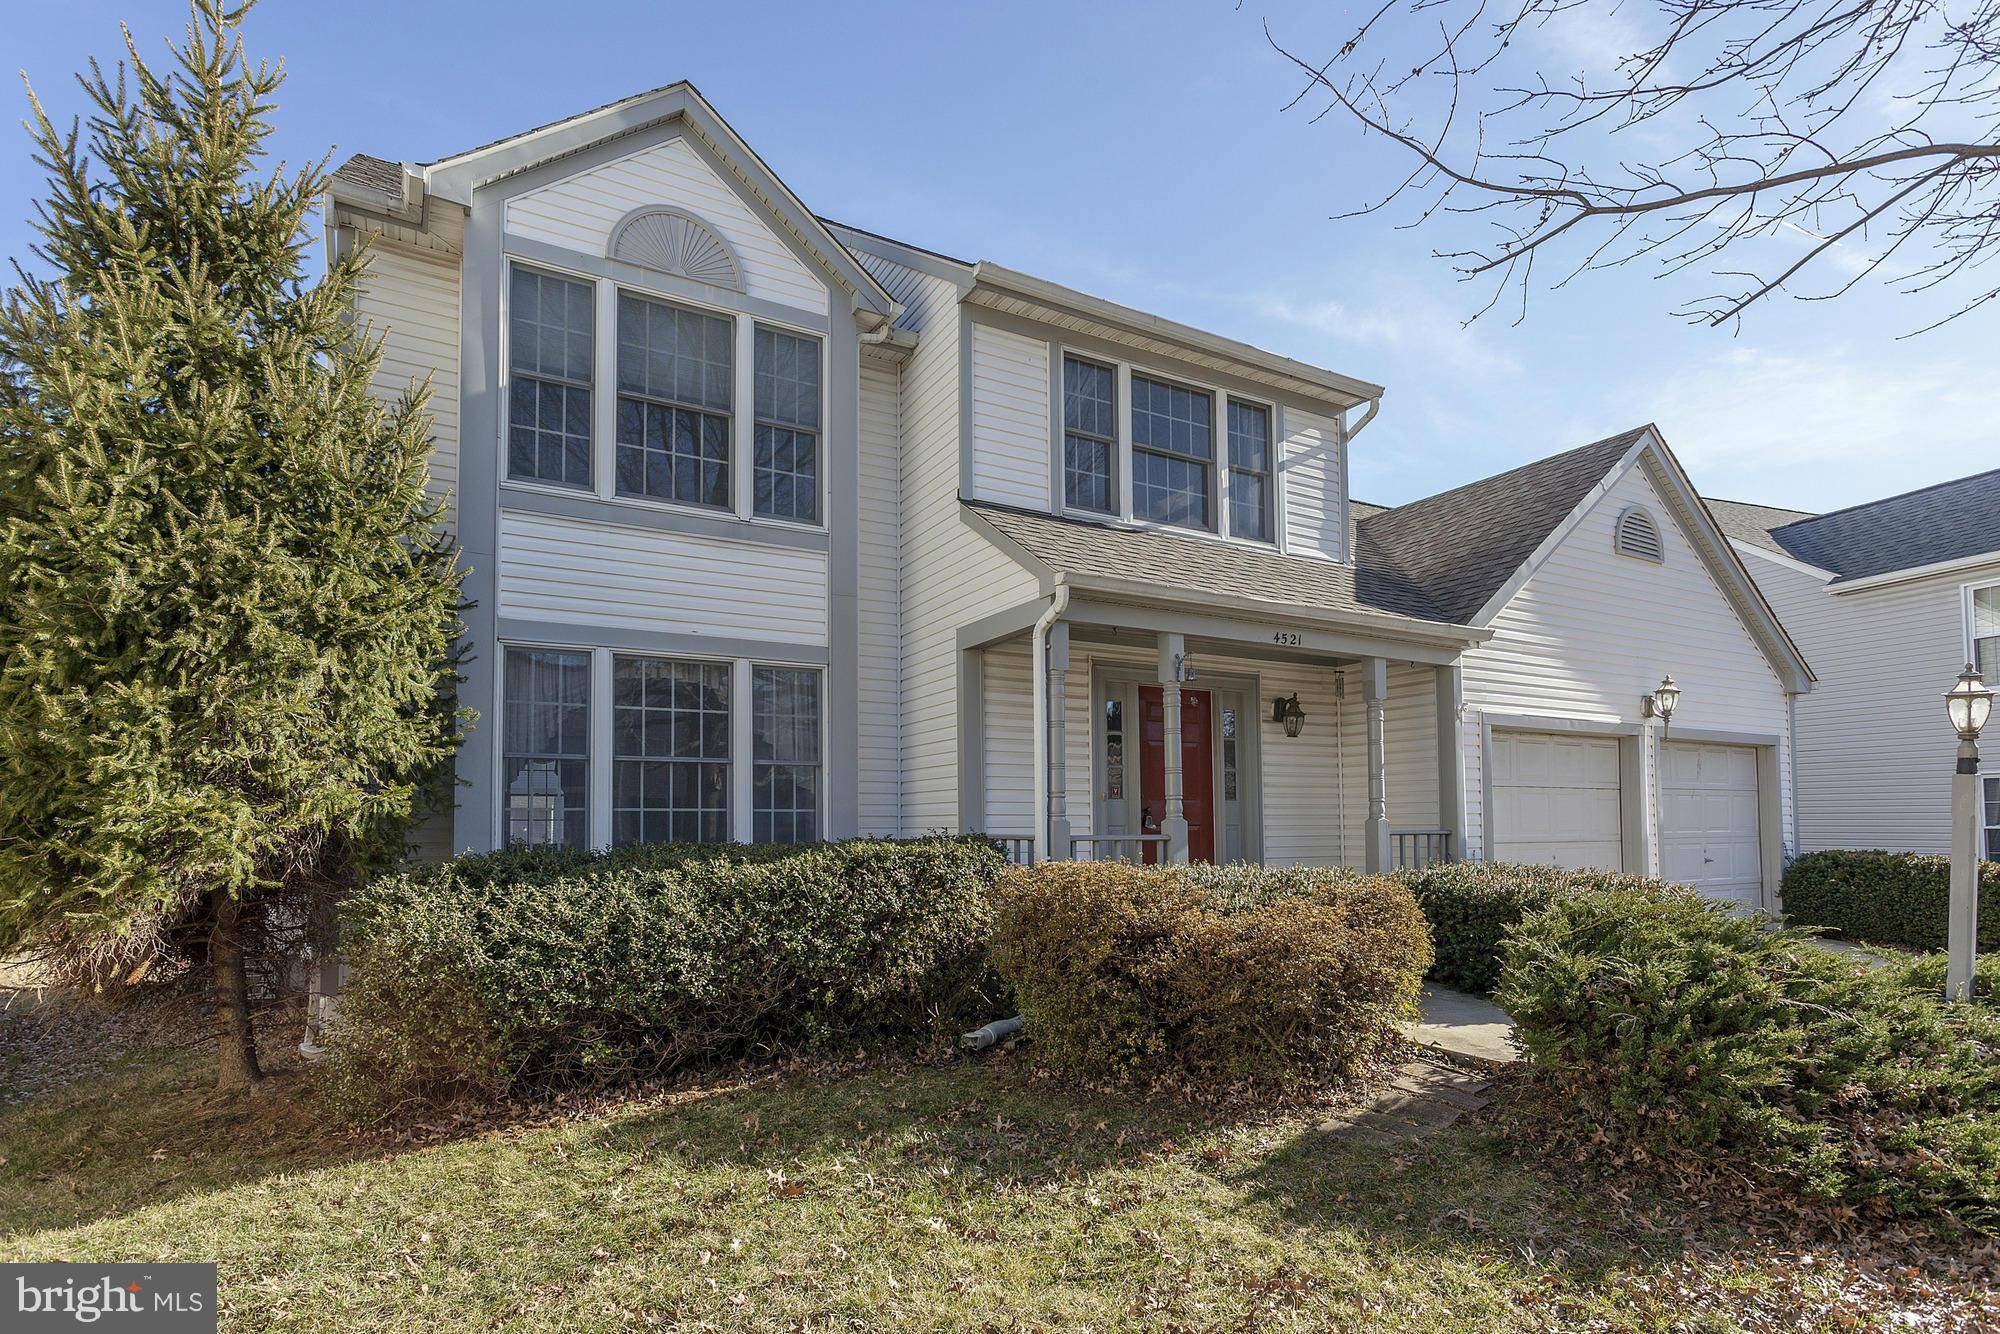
x=1309 y=472
x=880 y=728
x=1874 y=749
x=949 y=574
x=580 y=211
x=410 y=301
x=1590 y=634
x=1010 y=418
x=586 y=573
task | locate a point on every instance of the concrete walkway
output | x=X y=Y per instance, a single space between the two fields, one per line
x=1470 y=1028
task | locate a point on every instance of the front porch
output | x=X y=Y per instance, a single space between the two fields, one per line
x=1163 y=737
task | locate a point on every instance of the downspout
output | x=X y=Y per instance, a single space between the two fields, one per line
x=1057 y=606
x=1374 y=406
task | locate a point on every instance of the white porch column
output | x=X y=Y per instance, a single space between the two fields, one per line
x=1380 y=856
x=1058 y=812
x=1173 y=821
x=1451 y=757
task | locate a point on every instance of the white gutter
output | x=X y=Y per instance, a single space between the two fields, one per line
x=1374 y=406
x=1955 y=565
x=1057 y=605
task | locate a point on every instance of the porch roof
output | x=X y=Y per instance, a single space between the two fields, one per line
x=1204 y=571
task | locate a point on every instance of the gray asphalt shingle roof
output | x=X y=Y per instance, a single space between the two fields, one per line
x=1197 y=565
x=1744 y=522
x=373 y=172
x=1949 y=521
x=1455 y=549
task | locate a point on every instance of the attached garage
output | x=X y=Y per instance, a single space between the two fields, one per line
x=1710 y=831
x=1556 y=800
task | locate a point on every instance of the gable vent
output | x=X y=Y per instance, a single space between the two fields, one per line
x=667 y=240
x=1639 y=536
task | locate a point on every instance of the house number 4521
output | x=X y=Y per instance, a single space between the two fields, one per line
x=1289 y=638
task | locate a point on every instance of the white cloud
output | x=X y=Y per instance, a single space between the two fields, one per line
x=1823 y=430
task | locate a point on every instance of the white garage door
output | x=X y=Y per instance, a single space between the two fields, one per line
x=1555 y=800
x=1708 y=824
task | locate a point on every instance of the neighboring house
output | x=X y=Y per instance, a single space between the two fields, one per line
x=1889 y=601
x=778 y=529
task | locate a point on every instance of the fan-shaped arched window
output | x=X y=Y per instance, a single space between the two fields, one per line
x=667 y=240
x=1638 y=535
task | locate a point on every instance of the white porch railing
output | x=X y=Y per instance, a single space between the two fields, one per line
x=1117 y=847
x=1020 y=848
x=1414 y=849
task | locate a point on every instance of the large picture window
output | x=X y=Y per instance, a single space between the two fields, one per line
x=786 y=484
x=675 y=379
x=1249 y=471
x=545 y=766
x=784 y=727
x=670 y=751
x=550 y=323
x=1090 y=434
x=1173 y=452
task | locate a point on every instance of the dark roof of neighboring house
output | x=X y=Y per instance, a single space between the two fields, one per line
x=373 y=172
x=1744 y=522
x=1946 y=522
x=1456 y=549
x=1197 y=565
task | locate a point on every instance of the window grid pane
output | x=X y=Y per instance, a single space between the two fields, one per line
x=550 y=326
x=546 y=763
x=670 y=745
x=1993 y=819
x=786 y=473
x=785 y=732
x=1249 y=471
x=1089 y=435
x=1986 y=631
x=1172 y=448
x=675 y=381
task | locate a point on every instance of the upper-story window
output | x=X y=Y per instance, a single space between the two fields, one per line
x=1249 y=471
x=675 y=383
x=550 y=351
x=1173 y=453
x=787 y=391
x=1984 y=631
x=1090 y=434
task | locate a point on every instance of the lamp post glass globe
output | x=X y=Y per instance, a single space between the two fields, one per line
x=1665 y=696
x=1969 y=704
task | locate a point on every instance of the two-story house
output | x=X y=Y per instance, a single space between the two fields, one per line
x=1889 y=600
x=778 y=529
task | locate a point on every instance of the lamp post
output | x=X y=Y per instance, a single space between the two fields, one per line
x=1968 y=703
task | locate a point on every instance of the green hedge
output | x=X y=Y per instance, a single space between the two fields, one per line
x=1886 y=898
x=1471 y=906
x=1679 y=1028
x=512 y=971
x=1220 y=973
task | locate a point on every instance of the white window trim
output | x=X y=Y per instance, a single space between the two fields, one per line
x=1123 y=370
x=604 y=405
x=601 y=761
x=1966 y=593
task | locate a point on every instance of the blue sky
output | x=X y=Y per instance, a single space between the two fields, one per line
x=1137 y=151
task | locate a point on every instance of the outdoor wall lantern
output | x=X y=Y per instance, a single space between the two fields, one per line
x=1288 y=712
x=1968 y=704
x=1660 y=704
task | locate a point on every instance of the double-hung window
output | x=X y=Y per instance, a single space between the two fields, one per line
x=544 y=771
x=670 y=751
x=675 y=381
x=784 y=729
x=1249 y=471
x=786 y=484
x=1173 y=453
x=1985 y=631
x=1090 y=436
x=550 y=322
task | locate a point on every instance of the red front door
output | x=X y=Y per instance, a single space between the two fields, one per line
x=1197 y=770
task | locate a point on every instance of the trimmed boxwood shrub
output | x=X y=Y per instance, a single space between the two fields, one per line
x=521 y=970
x=1471 y=906
x=1687 y=1031
x=1886 y=898
x=1234 y=973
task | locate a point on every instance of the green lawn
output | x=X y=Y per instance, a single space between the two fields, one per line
x=969 y=1196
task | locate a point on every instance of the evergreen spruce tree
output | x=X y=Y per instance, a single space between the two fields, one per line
x=227 y=616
